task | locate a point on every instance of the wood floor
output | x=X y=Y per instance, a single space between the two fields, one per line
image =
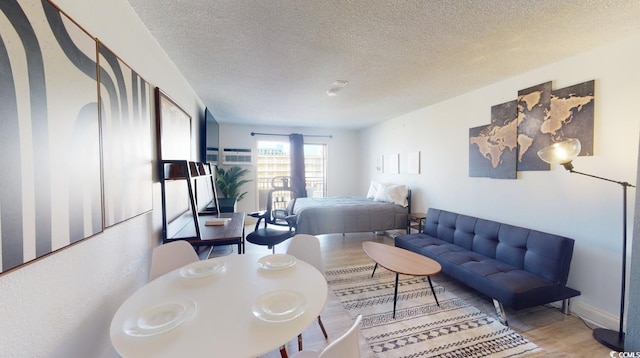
x=557 y=334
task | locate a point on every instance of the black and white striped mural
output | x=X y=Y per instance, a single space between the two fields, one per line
x=125 y=102
x=50 y=141
x=50 y=194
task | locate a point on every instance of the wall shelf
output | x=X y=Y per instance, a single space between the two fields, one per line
x=198 y=185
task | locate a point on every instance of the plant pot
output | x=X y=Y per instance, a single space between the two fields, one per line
x=227 y=205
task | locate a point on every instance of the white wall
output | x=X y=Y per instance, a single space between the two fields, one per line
x=62 y=304
x=585 y=209
x=343 y=151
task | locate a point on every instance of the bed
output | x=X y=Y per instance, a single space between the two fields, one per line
x=348 y=214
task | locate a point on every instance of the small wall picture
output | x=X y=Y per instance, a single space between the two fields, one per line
x=392 y=164
x=413 y=162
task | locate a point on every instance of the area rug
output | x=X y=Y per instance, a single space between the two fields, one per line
x=421 y=328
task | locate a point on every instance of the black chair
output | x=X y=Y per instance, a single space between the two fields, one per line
x=279 y=213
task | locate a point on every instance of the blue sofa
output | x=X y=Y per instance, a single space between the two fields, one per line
x=515 y=266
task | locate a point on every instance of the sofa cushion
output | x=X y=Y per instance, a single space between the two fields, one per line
x=548 y=257
x=446 y=226
x=485 y=240
x=502 y=281
x=464 y=231
x=512 y=245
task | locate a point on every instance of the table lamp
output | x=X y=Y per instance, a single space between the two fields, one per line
x=563 y=153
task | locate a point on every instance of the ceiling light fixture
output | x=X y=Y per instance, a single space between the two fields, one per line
x=337 y=86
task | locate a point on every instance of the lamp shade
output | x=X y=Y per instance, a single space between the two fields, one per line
x=561 y=152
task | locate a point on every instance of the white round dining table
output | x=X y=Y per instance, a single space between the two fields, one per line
x=223 y=323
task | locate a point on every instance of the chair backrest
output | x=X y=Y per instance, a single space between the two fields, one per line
x=170 y=256
x=280 y=203
x=281 y=182
x=307 y=248
x=347 y=346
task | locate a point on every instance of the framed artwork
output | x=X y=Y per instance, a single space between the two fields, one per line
x=493 y=148
x=50 y=195
x=543 y=116
x=391 y=164
x=125 y=102
x=534 y=108
x=173 y=129
x=572 y=113
x=479 y=163
x=413 y=162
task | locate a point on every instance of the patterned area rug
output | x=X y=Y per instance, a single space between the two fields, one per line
x=421 y=328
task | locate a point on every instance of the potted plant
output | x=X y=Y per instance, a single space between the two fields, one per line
x=228 y=183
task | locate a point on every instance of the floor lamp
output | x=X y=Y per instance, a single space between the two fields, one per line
x=563 y=153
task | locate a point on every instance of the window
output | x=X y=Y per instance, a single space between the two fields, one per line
x=273 y=161
x=315 y=164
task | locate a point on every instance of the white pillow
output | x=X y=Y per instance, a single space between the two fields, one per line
x=393 y=193
x=373 y=189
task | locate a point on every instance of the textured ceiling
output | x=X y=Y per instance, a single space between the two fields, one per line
x=272 y=61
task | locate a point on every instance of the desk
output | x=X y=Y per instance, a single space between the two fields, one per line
x=223 y=324
x=231 y=233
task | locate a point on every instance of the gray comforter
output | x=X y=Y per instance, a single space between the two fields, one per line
x=317 y=216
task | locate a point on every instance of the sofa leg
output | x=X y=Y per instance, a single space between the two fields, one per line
x=565 y=306
x=502 y=315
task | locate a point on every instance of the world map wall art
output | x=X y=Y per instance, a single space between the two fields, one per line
x=518 y=129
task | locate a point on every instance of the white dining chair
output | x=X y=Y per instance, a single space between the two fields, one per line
x=307 y=248
x=347 y=346
x=170 y=256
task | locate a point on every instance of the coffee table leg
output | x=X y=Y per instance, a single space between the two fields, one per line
x=432 y=290
x=395 y=296
x=374 y=269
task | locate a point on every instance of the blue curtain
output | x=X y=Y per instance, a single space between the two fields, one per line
x=298 y=183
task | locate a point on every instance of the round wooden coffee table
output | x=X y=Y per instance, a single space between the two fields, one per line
x=401 y=261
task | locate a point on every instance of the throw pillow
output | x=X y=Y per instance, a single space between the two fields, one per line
x=393 y=193
x=373 y=189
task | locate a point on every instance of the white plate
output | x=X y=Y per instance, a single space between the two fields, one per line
x=203 y=268
x=279 y=305
x=159 y=319
x=276 y=262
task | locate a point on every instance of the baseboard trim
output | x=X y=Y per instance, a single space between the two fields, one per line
x=592 y=315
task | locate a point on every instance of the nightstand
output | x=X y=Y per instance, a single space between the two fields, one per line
x=415 y=221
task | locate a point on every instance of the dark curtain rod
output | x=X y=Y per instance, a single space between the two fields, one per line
x=286 y=135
